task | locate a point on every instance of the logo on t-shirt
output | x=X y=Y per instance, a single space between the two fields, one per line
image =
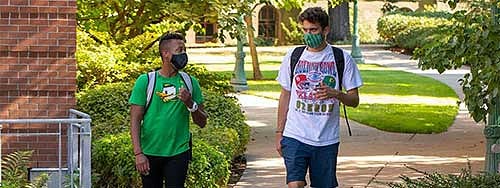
x=308 y=76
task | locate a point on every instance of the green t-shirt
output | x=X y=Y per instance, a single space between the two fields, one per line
x=165 y=127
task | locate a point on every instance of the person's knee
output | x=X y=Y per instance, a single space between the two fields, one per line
x=296 y=184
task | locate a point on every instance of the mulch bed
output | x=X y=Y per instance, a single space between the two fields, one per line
x=238 y=166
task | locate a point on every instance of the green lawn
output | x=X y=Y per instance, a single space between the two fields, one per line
x=391 y=100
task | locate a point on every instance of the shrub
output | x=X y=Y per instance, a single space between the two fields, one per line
x=413 y=29
x=115 y=148
x=108 y=107
x=100 y=63
x=224 y=111
x=464 y=180
x=261 y=41
x=223 y=139
x=209 y=167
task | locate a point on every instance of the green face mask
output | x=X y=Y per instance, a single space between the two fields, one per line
x=313 y=40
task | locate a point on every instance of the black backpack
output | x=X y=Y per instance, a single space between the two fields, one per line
x=339 y=60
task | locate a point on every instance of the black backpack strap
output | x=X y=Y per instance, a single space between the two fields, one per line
x=294 y=59
x=340 y=62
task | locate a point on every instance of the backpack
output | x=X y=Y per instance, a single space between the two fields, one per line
x=339 y=60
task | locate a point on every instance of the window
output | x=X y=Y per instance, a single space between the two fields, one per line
x=267 y=22
x=209 y=35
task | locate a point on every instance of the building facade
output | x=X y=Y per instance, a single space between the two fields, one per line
x=37 y=71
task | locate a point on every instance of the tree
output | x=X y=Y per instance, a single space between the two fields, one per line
x=474 y=41
x=339 y=21
x=125 y=19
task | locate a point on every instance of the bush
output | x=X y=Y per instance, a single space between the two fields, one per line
x=223 y=139
x=116 y=148
x=465 y=180
x=108 y=107
x=411 y=30
x=224 y=111
x=100 y=63
x=209 y=167
x=260 y=41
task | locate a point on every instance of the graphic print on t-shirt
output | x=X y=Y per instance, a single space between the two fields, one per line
x=308 y=76
x=170 y=91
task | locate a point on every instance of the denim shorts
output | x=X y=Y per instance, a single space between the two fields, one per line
x=320 y=160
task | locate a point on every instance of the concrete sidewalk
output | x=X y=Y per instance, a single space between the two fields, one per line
x=370 y=155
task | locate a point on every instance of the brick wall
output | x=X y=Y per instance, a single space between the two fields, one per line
x=37 y=69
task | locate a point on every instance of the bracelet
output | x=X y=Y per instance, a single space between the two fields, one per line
x=138 y=153
x=278 y=131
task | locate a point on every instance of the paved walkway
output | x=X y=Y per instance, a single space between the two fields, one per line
x=369 y=155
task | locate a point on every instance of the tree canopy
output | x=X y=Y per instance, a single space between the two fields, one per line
x=474 y=41
x=125 y=19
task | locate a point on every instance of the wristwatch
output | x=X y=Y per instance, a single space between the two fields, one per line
x=194 y=108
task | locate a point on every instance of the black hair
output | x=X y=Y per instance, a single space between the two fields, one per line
x=169 y=36
x=315 y=15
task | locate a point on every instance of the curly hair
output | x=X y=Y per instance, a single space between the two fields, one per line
x=314 y=15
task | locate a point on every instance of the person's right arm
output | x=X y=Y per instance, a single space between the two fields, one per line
x=282 y=113
x=136 y=115
x=283 y=79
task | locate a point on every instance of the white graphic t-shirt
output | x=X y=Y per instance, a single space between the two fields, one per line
x=310 y=120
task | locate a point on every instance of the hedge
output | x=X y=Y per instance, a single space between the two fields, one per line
x=209 y=167
x=411 y=30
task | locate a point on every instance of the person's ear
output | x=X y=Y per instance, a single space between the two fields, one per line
x=164 y=55
x=326 y=30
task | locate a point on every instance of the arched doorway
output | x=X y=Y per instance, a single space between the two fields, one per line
x=267 y=22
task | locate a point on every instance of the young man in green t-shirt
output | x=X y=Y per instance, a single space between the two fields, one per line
x=160 y=130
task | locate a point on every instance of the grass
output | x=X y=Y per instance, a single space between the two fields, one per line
x=405 y=118
x=391 y=100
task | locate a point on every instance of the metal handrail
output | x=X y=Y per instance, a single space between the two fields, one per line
x=77 y=152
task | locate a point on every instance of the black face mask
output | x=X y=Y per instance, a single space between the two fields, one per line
x=179 y=60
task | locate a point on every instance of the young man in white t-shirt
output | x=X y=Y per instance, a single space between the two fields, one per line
x=307 y=134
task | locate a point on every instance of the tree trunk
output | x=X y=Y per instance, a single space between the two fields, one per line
x=339 y=22
x=257 y=75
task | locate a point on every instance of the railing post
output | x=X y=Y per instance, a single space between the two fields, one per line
x=85 y=162
x=1 y=126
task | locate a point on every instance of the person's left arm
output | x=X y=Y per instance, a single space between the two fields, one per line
x=199 y=115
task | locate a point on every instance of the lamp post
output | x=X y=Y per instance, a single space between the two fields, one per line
x=239 y=80
x=356 y=51
x=492 y=129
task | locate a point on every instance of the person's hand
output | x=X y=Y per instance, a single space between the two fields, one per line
x=325 y=92
x=277 y=142
x=142 y=164
x=185 y=97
